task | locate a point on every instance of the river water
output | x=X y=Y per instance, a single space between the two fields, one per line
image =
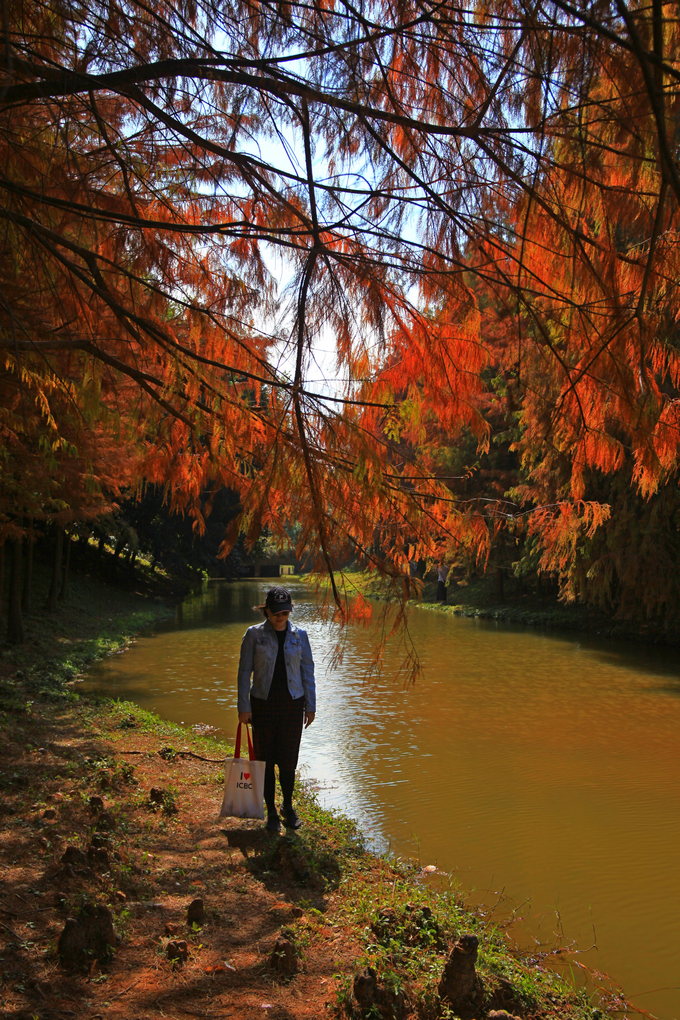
x=542 y=773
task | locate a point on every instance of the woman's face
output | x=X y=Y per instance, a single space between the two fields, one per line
x=279 y=621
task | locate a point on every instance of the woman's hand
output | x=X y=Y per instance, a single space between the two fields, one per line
x=309 y=718
x=245 y=717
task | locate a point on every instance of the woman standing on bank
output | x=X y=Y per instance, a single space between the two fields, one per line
x=277 y=693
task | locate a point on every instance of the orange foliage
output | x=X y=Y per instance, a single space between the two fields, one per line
x=191 y=194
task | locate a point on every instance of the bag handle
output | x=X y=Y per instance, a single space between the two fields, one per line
x=237 y=745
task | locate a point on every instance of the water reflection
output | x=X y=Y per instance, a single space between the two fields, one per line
x=548 y=767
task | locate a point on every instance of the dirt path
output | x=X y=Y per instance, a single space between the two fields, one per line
x=81 y=829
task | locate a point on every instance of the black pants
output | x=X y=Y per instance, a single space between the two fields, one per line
x=277 y=731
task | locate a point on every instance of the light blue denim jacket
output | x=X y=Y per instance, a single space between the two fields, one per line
x=259 y=649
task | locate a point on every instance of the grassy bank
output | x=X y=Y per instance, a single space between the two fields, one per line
x=111 y=813
x=480 y=598
x=92 y=620
x=517 y=605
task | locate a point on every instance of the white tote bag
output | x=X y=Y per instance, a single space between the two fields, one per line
x=243 y=783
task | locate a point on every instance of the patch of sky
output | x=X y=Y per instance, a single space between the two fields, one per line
x=389 y=207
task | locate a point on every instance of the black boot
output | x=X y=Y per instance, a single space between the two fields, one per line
x=290 y=818
x=273 y=821
x=287 y=781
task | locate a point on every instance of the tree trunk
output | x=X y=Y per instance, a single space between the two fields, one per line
x=2 y=579
x=15 y=619
x=27 y=593
x=55 y=582
x=67 y=567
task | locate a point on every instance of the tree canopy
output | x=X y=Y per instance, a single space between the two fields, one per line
x=475 y=204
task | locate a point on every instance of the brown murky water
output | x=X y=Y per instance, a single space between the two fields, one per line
x=541 y=772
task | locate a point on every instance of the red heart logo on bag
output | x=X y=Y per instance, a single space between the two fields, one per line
x=246 y=775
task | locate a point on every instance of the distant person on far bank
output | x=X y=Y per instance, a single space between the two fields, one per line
x=442 y=576
x=277 y=694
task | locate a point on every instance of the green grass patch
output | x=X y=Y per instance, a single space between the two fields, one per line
x=407 y=930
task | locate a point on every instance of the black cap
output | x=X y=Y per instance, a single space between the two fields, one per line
x=278 y=600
